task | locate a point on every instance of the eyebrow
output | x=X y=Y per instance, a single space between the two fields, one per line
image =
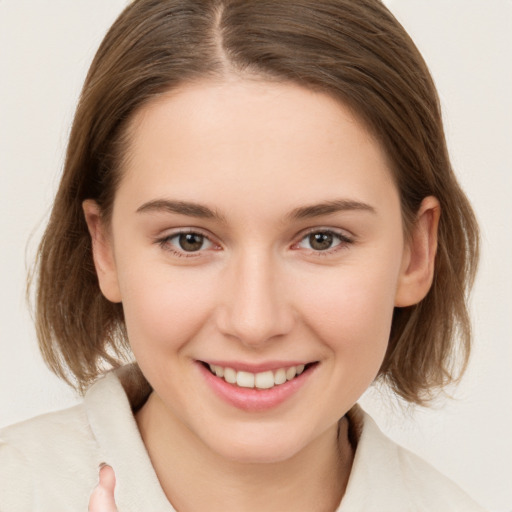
x=200 y=211
x=328 y=207
x=181 y=207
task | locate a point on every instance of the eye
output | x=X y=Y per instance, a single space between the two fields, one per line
x=323 y=240
x=186 y=242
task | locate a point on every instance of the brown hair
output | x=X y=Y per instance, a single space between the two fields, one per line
x=353 y=50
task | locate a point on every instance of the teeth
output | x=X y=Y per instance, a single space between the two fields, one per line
x=245 y=379
x=262 y=380
x=230 y=375
x=291 y=372
x=280 y=376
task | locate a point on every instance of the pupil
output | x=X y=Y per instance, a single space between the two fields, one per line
x=191 y=242
x=320 y=241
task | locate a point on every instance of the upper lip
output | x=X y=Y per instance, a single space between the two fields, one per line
x=256 y=368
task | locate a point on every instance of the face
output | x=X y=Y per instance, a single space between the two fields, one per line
x=256 y=235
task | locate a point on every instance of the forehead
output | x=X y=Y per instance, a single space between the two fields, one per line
x=245 y=136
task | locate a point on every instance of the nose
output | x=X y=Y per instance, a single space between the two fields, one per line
x=254 y=307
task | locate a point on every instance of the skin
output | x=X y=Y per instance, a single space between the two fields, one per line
x=102 y=497
x=258 y=290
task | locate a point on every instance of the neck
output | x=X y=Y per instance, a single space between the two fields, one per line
x=194 y=477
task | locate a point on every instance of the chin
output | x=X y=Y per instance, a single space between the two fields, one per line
x=257 y=454
x=252 y=447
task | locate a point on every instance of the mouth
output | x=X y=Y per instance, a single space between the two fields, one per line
x=262 y=380
x=256 y=388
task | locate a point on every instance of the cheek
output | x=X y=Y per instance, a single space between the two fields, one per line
x=353 y=322
x=163 y=309
x=351 y=310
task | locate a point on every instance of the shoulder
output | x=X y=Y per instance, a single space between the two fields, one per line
x=427 y=486
x=42 y=432
x=50 y=462
x=54 y=452
x=16 y=489
x=69 y=433
x=387 y=477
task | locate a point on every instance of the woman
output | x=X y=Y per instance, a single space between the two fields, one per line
x=258 y=203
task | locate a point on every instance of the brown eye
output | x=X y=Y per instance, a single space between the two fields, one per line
x=186 y=243
x=191 y=242
x=325 y=240
x=321 y=241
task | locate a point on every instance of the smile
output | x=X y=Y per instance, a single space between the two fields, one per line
x=263 y=388
x=262 y=380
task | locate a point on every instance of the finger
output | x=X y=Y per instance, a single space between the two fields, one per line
x=102 y=498
x=107 y=478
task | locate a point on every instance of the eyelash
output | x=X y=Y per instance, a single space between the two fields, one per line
x=165 y=243
x=343 y=242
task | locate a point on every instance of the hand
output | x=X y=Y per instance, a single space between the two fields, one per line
x=102 y=498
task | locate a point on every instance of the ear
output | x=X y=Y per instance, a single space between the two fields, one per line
x=102 y=251
x=417 y=271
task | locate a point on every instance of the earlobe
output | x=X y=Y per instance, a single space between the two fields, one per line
x=102 y=251
x=417 y=270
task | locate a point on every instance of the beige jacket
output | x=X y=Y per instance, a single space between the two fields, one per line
x=50 y=463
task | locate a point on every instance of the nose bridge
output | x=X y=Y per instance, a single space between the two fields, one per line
x=255 y=308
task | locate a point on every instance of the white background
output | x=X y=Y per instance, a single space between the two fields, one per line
x=45 y=50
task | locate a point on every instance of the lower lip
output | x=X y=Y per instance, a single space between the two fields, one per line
x=253 y=399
